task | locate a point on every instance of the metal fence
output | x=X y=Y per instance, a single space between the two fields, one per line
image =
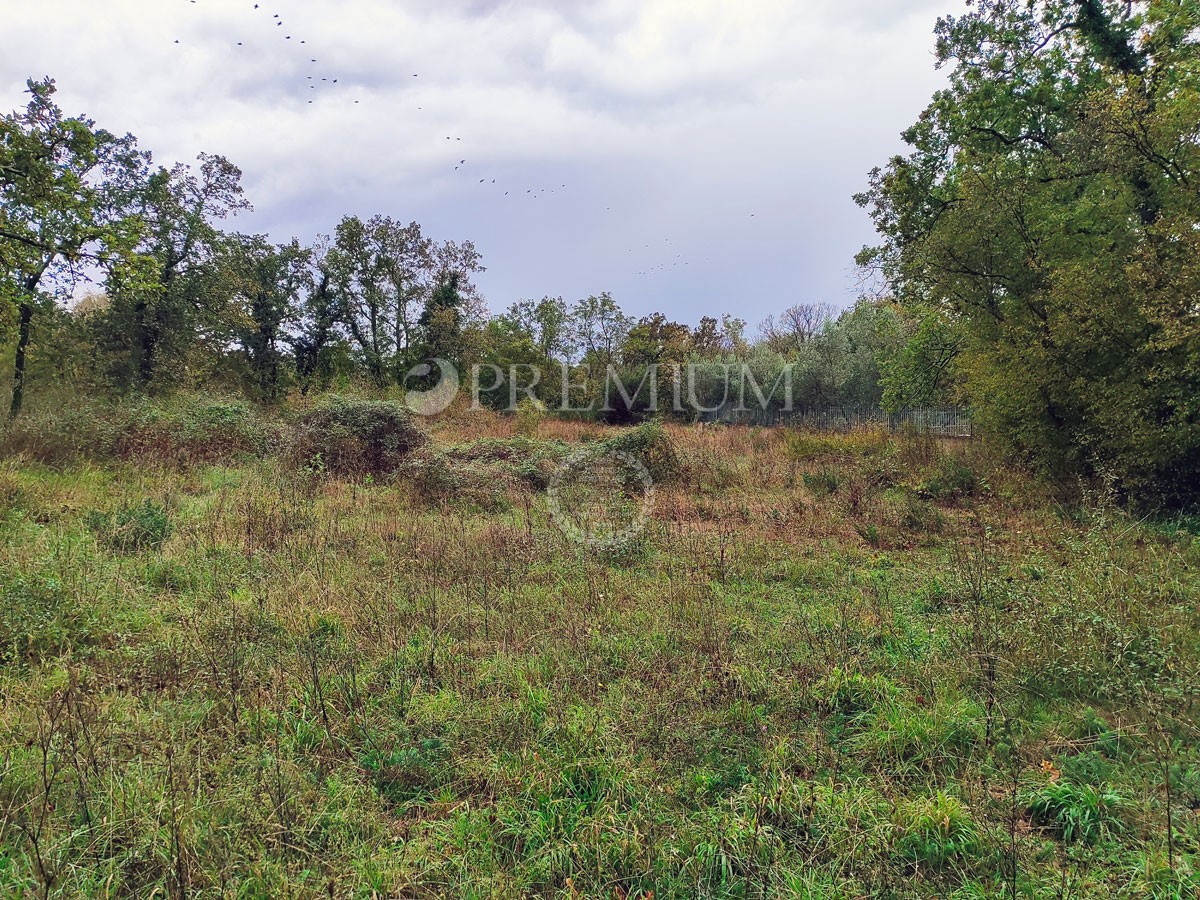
x=941 y=421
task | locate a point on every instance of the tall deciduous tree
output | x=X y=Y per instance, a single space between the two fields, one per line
x=384 y=274
x=68 y=193
x=600 y=328
x=1046 y=224
x=265 y=282
x=154 y=326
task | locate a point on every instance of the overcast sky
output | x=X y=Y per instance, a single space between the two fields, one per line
x=708 y=149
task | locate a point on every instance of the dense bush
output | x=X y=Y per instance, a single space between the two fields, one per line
x=650 y=444
x=189 y=432
x=355 y=437
x=39 y=619
x=132 y=527
x=184 y=431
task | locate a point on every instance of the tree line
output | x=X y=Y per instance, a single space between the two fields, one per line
x=1037 y=262
x=176 y=300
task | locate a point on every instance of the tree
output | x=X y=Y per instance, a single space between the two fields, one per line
x=547 y=322
x=1043 y=227
x=68 y=195
x=265 y=282
x=154 y=326
x=316 y=331
x=600 y=328
x=797 y=325
x=441 y=320
x=654 y=339
x=706 y=339
x=384 y=275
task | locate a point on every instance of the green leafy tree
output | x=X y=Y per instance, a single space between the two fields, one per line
x=316 y=336
x=156 y=327
x=68 y=211
x=265 y=283
x=1043 y=229
x=655 y=339
x=600 y=327
x=547 y=322
x=384 y=275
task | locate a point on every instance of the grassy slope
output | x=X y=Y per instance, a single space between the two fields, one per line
x=835 y=667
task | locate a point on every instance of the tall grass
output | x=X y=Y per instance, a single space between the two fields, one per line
x=243 y=674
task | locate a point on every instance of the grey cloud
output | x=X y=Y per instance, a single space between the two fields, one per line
x=667 y=119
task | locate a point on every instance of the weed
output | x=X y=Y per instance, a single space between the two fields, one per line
x=1076 y=812
x=936 y=830
x=132 y=527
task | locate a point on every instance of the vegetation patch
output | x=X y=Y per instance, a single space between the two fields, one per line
x=355 y=437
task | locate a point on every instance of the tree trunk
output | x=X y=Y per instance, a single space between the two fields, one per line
x=18 y=386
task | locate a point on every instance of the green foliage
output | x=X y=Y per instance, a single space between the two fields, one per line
x=649 y=444
x=823 y=482
x=1082 y=813
x=529 y=416
x=936 y=830
x=132 y=527
x=40 y=619
x=69 y=199
x=356 y=437
x=1041 y=235
x=185 y=431
x=852 y=694
x=405 y=774
x=952 y=479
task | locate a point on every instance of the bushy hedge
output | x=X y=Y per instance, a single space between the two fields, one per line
x=355 y=437
x=183 y=431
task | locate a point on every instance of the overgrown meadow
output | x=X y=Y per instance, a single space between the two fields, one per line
x=331 y=652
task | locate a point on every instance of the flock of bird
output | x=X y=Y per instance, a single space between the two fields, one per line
x=317 y=82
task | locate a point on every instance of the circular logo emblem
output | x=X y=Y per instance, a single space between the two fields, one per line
x=436 y=399
x=601 y=499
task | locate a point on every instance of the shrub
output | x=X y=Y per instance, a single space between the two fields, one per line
x=529 y=416
x=437 y=477
x=650 y=444
x=356 y=437
x=1076 y=812
x=57 y=436
x=953 y=478
x=192 y=432
x=404 y=774
x=853 y=694
x=38 y=619
x=183 y=432
x=823 y=482
x=132 y=527
x=936 y=830
x=518 y=458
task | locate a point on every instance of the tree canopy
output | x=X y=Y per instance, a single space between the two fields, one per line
x=1044 y=228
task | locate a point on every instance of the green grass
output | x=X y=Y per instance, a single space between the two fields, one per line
x=831 y=668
